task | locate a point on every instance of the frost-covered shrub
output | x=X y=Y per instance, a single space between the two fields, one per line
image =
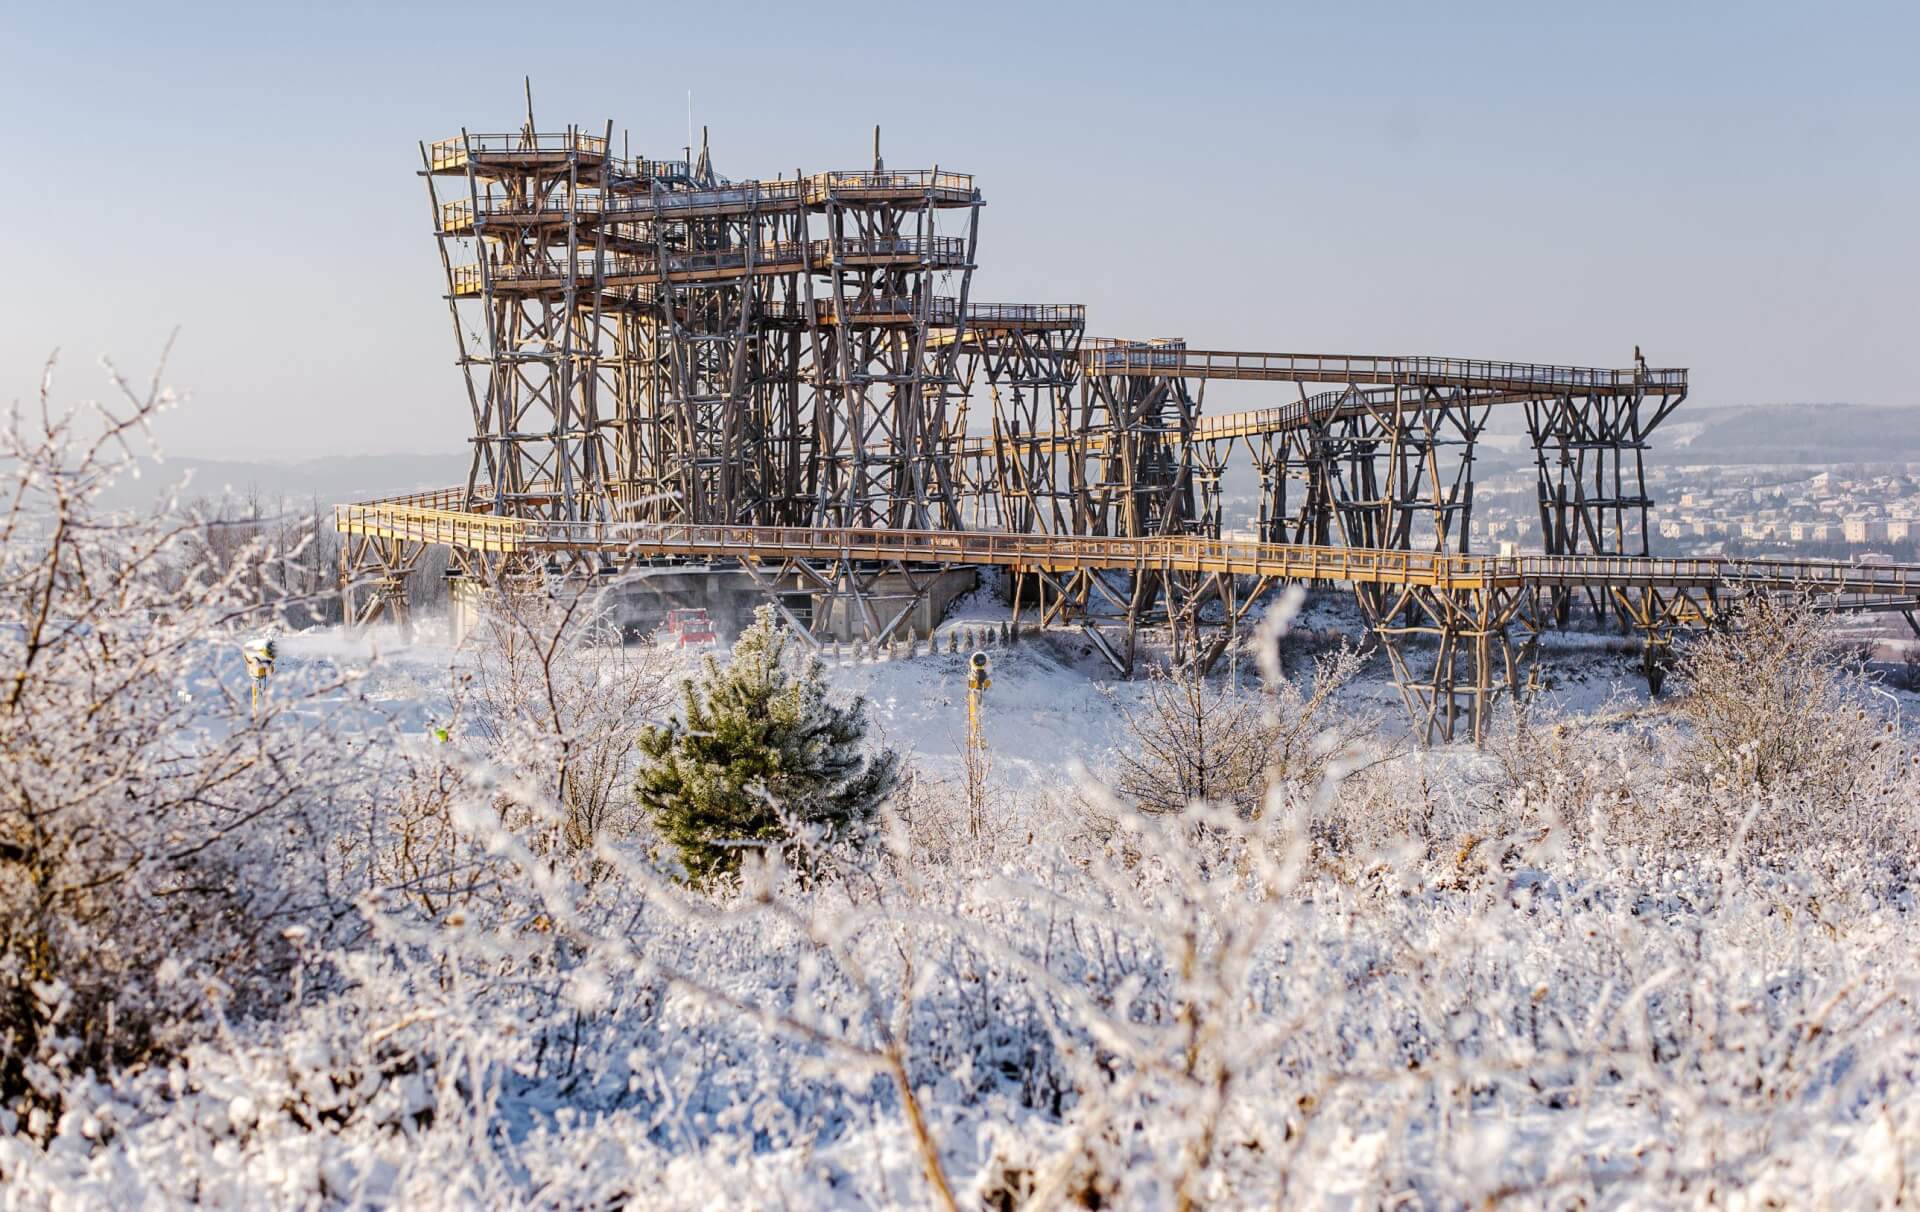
x=1783 y=741
x=1196 y=740
x=1771 y=696
x=1524 y=977
x=1200 y=739
x=1198 y=1014
x=160 y=834
x=552 y=688
x=536 y=737
x=1562 y=1030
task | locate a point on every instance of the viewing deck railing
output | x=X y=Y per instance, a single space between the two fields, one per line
x=1062 y=315
x=597 y=205
x=652 y=170
x=453 y=153
x=447 y=155
x=941 y=309
x=749 y=193
x=944 y=250
x=945 y=186
x=623 y=196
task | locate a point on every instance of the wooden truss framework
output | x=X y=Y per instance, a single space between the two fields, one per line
x=373 y=578
x=644 y=341
x=1470 y=660
x=1590 y=458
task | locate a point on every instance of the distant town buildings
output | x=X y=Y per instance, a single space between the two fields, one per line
x=1759 y=510
x=1731 y=510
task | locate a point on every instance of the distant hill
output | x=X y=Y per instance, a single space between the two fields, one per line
x=1792 y=433
x=329 y=481
x=1756 y=433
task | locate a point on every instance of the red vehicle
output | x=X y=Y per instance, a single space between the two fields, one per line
x=689 y=627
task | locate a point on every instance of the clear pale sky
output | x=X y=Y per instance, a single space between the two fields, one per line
x=1735 y=187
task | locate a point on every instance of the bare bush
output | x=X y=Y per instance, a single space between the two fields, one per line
x=1201 y=740
x=158 y=832
x=232 y=534
x=1781 y=727
x=1757 y=687
x=972 y=817
x=416 y=851
x=1251 y=1033
x=1198 y=742
x=553 y=685
x=1547 y=768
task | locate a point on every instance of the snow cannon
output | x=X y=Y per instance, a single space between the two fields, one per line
x=977 y=683
x=259 y=655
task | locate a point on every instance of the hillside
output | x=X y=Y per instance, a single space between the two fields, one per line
x=1794 y=433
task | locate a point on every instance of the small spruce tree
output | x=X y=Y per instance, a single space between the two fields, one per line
x=760 y=747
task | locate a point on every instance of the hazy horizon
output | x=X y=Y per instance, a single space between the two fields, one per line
x=1729 y=187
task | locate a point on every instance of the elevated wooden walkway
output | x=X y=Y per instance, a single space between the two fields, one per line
x=434 y=519
x=1151 y=360
x=627 y=270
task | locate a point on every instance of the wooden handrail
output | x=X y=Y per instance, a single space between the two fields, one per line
x=1175 y=361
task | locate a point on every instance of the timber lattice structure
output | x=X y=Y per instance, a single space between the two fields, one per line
x=791 y=376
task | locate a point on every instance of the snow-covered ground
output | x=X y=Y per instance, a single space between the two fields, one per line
x=399 y=933
x=1055 y=707
x=1426 y=988
x=1054 y=701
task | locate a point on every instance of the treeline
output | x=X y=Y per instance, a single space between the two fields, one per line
x=288 y=552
